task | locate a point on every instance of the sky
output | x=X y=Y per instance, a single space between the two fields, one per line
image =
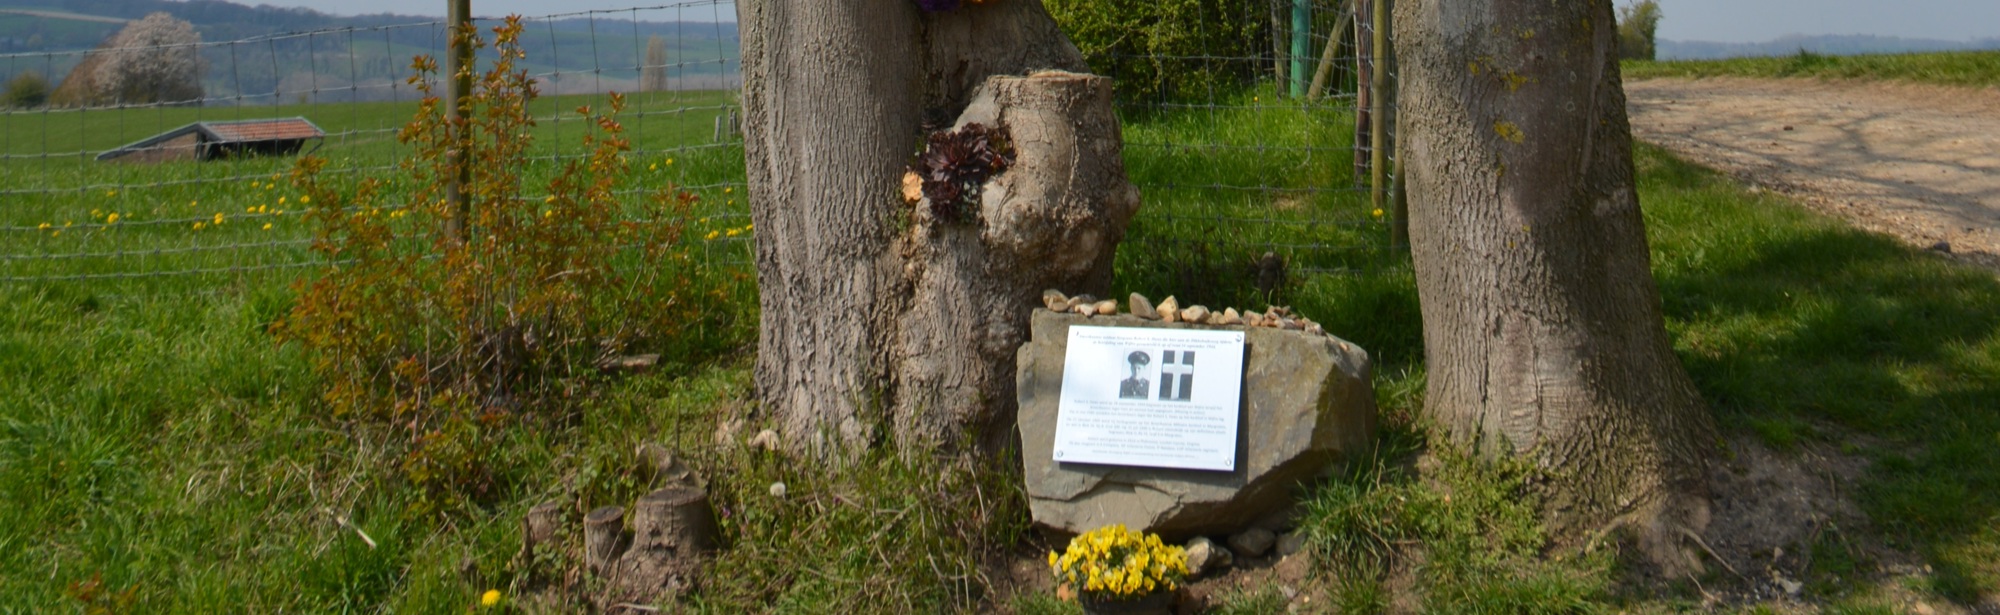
x=1752 y=21
x=1728 y=21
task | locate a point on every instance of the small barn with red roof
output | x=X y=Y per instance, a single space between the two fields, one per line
x=213 y=140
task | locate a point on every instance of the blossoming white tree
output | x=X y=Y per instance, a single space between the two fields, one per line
x=156 y=59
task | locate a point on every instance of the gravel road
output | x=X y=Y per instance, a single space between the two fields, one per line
x=1918 y=162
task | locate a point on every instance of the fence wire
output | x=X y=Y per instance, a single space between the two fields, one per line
x=1237 y=157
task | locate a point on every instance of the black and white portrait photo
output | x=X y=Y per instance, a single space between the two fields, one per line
x=1137 y=386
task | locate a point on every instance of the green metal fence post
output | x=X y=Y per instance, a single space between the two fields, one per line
x=1301 y=44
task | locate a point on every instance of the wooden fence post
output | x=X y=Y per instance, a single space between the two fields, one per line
x=1378 y=84
x=458 y=89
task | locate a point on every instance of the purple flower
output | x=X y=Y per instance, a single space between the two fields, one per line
x=938 y=6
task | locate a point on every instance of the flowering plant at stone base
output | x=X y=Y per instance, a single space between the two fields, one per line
x=939 y=6
x=1116 y=563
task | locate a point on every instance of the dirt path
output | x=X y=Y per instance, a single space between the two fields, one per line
x=1918 y=162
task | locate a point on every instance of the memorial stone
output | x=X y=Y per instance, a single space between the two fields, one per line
x=1307 y=402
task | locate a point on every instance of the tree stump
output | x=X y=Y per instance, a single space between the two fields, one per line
x=603 y=539
x=673 y=531
x=1052 y=220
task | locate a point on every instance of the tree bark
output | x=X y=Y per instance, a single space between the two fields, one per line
x=1542 y=323
x=604 y=539
x=872 y=312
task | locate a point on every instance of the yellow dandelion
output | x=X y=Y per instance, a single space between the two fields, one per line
x=97 y=213
x=270 y=186
x=44 y=226
x=548 y=213
x=193 y=203
x=110 y=193
x=198 y=225
x=267 y=226
x=551 y=199
x=57 y=233
x=111 y=219
x=653 y=167
x=1377 y=212
x=712 y=234
x=249 y=210
x=218 y=218
x=303 y=198
x=281 y=200
x=670 y=162
x=733 y=232
x=490 y=598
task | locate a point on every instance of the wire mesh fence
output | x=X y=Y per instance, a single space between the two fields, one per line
x=1244 y=151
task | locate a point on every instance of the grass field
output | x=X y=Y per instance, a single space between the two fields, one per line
x=241 y=217
x=159 y=452
x=1969 y=68
x=150 y=420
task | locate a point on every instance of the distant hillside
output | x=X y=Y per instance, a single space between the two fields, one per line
x=1848 y=44
x=270 y=54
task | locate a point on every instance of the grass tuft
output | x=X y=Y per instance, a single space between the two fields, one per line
x=1965 y=68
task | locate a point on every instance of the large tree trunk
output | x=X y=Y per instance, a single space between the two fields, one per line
x=1542 y=323
x=874 y=312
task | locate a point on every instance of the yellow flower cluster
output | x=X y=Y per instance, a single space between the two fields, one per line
x=728 y=232
x=1117 y=563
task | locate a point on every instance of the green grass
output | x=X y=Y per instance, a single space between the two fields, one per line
x=154 y=437
x=1967 y=68
x=1800 y=331
x=168 y=212
x=1789 y=319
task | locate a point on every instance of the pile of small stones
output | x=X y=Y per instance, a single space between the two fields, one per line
x=1170 y=310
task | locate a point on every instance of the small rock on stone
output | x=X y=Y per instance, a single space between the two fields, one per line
x=1141 y=307
x=1252 y=542
x=1204 y=557
x=1289 y=324
x=1107 y=307
x=1194 y=314
x=1792 y=588
x=765 y=440
x=1229 y=317
x=1170 y=309
x=1290 y=544
x=725 y=434
x=1253 y=319
x=1086 y=309
x=1054 y=300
